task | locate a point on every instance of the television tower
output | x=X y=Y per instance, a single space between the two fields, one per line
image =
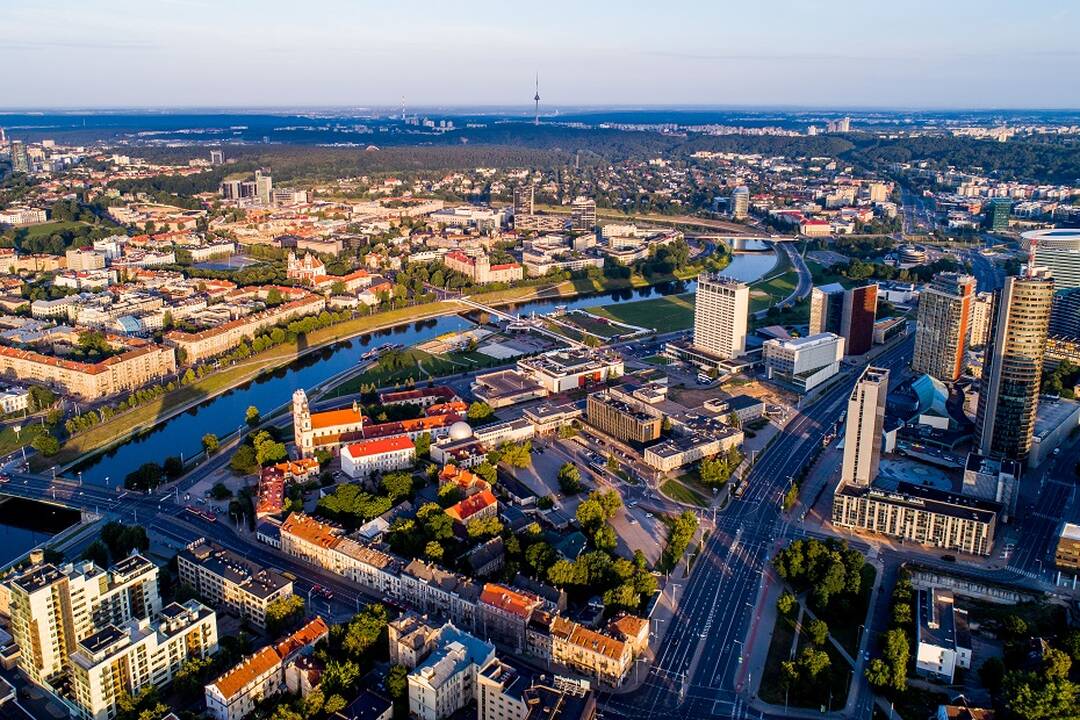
x=402 y=108
x=536 y=99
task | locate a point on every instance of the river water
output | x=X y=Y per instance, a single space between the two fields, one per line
x=224 y=413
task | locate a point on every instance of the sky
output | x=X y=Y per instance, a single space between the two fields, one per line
x=801 y=53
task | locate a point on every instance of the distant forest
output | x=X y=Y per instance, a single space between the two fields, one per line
x=524 y=145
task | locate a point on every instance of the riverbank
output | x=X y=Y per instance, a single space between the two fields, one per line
x=122 y=428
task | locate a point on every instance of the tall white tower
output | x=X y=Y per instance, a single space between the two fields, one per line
x=536 y=99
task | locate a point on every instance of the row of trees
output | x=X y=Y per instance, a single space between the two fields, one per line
x=823 y=568
x=680 y=532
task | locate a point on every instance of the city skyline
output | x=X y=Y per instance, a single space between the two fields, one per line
x=175 y=55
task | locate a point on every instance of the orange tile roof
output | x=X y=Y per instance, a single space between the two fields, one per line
x=587 y=639
x=455 y=406
x=511 y=601
x=628 y=626
x=240 y=676
x=310 y=634
x=378 y=446
x=332 y=418
x=471 y=505
x=309 y=529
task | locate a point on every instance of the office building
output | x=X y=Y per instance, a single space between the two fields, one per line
x=1057 y=249
x=840 y=125
x=230 y=582
x=360 y=460
x=1067 y=552
x=943 y=325
x=264 y=186
x=504 y=693
x=997 y=214
x=623 y=418
x=1065 y=315
x=524 y=201
x=826 y=308
x=583 y=213
x=804 y=363
x=864 y=423
x=942 y=640
x=53 y=608
x=721 y=306
x=740 y=202
x=123 y=660
x=1012 y=372
x=945 y=520
x=857 y=321
x=982 y=307
x=217 y=157
x=994 y=480
x=877 y=192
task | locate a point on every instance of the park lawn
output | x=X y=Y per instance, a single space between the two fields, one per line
x=153 y=413
x=657 y=360
x=47 y=229
x=677 y=491
x=823 y=275
x=841 y=617
x=797 y=315
x=771 y=689
x=663 y=314
x=9 y=442
x=771 y=291
x=596 y=327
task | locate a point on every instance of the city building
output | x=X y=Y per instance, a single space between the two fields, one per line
x=478 y=268
x=740 y=202
x=235 y=694
x=943 y=325
x=1067 y=552
x=524 y=197
x=622 y=417
x=922 y=514
x=583 y=213
x=411 y=639
x=304 y=269
x=217 y=157
x=1065 y=315
x=53 y=608
x=857 y=321
x=994 y=480
x=328 y=547
x=359 y=460
x=942 y=640
x=550 y=373
x=230 y=582
x=826 y=308
x=721 y=307
x=119 y=660
x=685 y=448
x=1057 y=249
x=1012 y=372
x=804 y=363
x=82 y=259
x=997 y=214
x=982 y=307
x=864 y=424
x=504 y=613
x=264 y=186
x=446 y=682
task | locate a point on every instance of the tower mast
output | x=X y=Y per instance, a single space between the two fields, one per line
x=536 y=99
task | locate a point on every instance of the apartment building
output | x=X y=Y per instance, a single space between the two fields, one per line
x=446 y=682
x=327 y=546
x=593 y=654
x=411 y=639
x=230 y=582
x=721 y=308
x=982 y=307
x=943 y=326
x=942 y=639
x=622 y=417
x=863 y=426
x=504 y=613
x=141 y=363
x=82 y=259
x=235 y=694
x=583 y=213
x=53 y=608
x=119 y=660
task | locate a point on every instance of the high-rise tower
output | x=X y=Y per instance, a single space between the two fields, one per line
x=943 y=325
x=720 y=312
x=864 y=423
x=536 y=99
x=1013 y=368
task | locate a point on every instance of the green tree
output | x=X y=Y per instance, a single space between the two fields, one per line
x=365 y=631
x=397 y=681
x=46 y=444
x=243 y=460
x=879 y=674
x=220 y=492
x=813 y=662
x=268 y=450
x=1056 y=664
x=397 y=485
x=284 y=613
x=896 y=652
x=433 y=551
x=786 y=603
x=487 y=471
x=569 y=478
x=210 y=443
x=518 y=455
x=422 y=444
x=992 y=673
x=251 y=416
x=97 y=553
x=483 y=528
x=144 y=705
x=818 y=631
x=1032 y=697
x=479 y=412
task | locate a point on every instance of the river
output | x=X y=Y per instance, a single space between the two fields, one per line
x=222 y=414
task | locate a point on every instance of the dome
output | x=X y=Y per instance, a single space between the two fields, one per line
x=460 y=431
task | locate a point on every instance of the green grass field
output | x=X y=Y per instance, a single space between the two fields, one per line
x=9 y=442
x=663 y=314
x=46 y=229
x=677 y=491
x=596 y=327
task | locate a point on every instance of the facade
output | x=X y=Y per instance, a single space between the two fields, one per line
x=982 y=307
x=913 y=512
x=479 y=269
x=804 y=363
x=583 y=213
x=446 y=681
x=997 y=214
x=862 y=431
x=304 y=269
x=1012 y=373
x=228 y=581
x=686 y=448
x=623 y=418
x=234 y=695
x=82 y=259
x=142 y=363
x=141 y=654
x=1067 y=552
x=740 y=202
x=563 y=370
x=380 y=455
x=942 y=640
x=524 y=196
x=53 y=608
x=857 y=321
x=1057 y=249
x=826 y=308
x=411 y=639
x=1065 y=315
x=327 y=547
x=504 y=614
x=943 y=326
x=721 y=307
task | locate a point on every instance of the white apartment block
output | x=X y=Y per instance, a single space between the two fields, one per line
x=862 y=434
x=52 y=609
x=115 y=661
x=446 y=681
x=721 y=307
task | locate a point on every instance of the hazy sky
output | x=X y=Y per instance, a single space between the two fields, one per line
x=952 y=53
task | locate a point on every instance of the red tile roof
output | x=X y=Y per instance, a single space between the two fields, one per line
x=471 y=505
x=511 y=601
x=367 y=448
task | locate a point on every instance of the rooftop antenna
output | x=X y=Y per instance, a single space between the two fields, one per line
x=536 y=99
